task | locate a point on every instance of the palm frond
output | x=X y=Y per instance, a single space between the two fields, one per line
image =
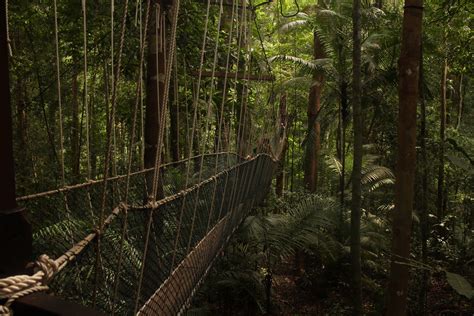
x=291 y=25
x=334 y=164
x=376 y=173
x=307 y=66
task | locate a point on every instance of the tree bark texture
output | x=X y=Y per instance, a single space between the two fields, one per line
x=357 y=164
x=313 y=140
x=408 y=91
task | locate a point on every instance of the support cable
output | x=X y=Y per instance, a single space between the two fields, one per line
x=60 y=107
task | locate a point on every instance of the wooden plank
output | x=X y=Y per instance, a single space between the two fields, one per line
x=174 y=292
x=233 y=75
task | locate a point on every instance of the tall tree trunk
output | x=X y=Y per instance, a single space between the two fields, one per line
x=460 y=100
x=154 y=89
x=424 y=191
x=75 y=147
x=280 y=179
x=442 y=139
x=409 y=67
x=357 y=164
x=379 y=4
x=174 y=121
x=313 y=140
x=244 y=123
x=342 y=152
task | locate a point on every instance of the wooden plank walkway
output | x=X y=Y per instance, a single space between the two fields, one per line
x=177 y=290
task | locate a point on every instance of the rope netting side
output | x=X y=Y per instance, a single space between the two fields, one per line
x=77 y=279
x=54 y=232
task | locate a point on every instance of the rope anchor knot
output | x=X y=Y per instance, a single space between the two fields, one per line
x=14 y=287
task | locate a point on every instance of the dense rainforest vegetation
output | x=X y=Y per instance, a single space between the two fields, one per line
x=372 y=206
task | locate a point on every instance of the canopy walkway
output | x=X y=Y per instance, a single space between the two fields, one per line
x=149 y=258
x=142 y=242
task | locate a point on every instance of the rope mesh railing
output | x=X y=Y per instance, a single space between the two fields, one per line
x=188 y=228
x=75 y=206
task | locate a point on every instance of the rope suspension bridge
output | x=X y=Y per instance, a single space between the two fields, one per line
x=140 y=237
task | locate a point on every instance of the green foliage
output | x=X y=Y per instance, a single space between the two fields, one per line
x=460 y=284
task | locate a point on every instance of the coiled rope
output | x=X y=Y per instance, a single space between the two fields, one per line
x=14 y=287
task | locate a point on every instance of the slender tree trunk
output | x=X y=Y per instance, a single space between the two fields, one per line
x=342 y=152
x=357 y=165
x=424 y=191
x=442 y=140
x=313 y=140
x=93 y=131
x=174 y=120
x=75 y=149
x=174 y=128
x=280 y=179
x=460 y=101
x=379 y=4
x=409 y=66
x=154 y=89
x=244 y=123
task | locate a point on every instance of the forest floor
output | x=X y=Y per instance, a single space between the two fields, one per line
x=290 y=297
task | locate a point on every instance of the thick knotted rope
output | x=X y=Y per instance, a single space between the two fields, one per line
x=14 y=287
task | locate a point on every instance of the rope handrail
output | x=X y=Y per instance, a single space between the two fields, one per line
x=157 y=204
x=92 y=182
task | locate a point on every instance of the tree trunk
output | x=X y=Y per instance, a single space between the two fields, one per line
x=409 y=67
x=154 y=90
x=75 y=147
x=442 y=139
x=424 y=191
x=342 y=152
x=460 y=101
x=379 y=4
x=280 y=179
x=174 y=119
x=244 y=120
x=357 y=165
x=313 y=140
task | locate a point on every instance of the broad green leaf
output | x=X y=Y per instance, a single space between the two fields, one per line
x=460 y=284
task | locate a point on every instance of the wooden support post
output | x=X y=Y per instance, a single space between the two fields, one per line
x=15 y=231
